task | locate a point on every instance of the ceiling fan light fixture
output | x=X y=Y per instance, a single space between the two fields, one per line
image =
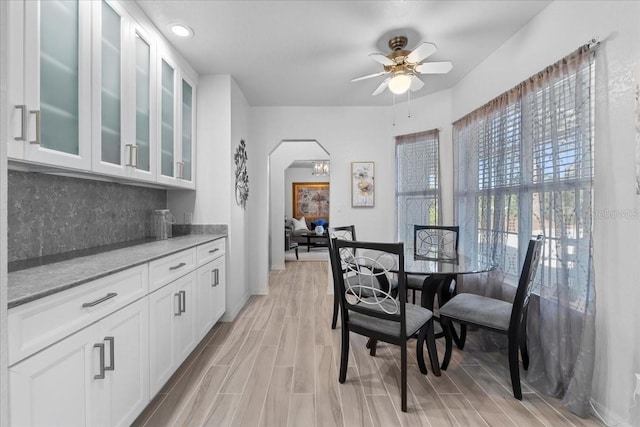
x=400 y=83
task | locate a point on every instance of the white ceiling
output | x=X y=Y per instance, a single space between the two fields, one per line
x=304 y=53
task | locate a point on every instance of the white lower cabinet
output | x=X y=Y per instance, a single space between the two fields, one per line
x=97 y=376
x=101 y=364
x=172 y=330
x=210 y=295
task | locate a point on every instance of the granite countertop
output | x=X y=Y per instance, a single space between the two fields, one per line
x=30 y=284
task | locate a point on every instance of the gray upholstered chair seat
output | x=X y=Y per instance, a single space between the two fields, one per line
x=489 y=312
x=416 y=316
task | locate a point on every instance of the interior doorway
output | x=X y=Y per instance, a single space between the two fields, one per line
x=286 y=154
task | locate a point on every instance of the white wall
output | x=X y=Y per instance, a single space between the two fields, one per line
x=292 y=175
x=222 y=113
x=285 y=153
x=555 y=32
x=348 y=134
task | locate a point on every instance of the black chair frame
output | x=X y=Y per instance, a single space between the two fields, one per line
x=517 y=332
x=426 y=331
x=336 y=298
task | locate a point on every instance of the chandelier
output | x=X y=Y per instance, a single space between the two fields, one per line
x=320 y=168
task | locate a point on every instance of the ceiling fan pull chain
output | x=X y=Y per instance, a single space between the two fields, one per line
x=409 y=104
x=393 y=109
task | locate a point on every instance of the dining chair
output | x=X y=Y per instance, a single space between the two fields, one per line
x=346 y=232
x=437 y=242
x=498 y=316
x=368 y=307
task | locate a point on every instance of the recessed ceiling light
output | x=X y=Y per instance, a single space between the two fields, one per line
x=181 y=30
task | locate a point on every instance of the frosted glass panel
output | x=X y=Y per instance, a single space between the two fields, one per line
x=111 y=52
x=143 y=82
x=168 y=90
x=59 y=75
x=187 y=114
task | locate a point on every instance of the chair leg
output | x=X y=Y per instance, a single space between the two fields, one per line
x=344 y=355
x=446 y=328
x=403 y=375
x=420 y=350
x=431 y=348
x=336 y=308
x=514 y=367
x=372 y=345
x=459 y=339
x=523 y=344
x=297 y=253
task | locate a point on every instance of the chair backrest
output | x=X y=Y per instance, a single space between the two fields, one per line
x=527 y=276
x=363 y=281
x=346 y=232
x=436 y=241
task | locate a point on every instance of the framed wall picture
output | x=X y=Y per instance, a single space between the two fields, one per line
x=362 y=184
x=311 y=200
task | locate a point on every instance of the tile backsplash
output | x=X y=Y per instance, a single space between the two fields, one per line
x=50 y=214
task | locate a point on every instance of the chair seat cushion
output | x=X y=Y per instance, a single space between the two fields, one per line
x=416 y=317
x=482 y=311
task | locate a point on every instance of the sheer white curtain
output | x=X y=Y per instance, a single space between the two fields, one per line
x=417 y=182
x=524 y=166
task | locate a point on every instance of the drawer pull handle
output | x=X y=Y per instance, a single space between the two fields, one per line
x=100 y=376
x=101 y=300
x=175 y=267
x=112 y=351
x=214 y=250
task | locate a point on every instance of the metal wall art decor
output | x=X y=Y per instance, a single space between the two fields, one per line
x=362 y=184
x=242 y=177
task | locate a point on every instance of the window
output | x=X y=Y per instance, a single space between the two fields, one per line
x=524 y=166
x=417 y=182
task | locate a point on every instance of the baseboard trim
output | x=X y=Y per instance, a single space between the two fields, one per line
x=230 y=315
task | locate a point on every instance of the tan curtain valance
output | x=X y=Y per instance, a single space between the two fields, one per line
x=566 y=65
x=413 y=137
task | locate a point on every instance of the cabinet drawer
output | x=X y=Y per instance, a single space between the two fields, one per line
x=210 y=251
x=169 y=268
x=38 y=324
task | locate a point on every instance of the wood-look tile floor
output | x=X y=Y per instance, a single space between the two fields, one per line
x=277 y=365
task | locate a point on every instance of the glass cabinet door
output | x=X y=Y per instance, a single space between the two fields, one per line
x=167 y=120
x=111 y=82
x=59 y=76
x=187 y=130
x=143 y=103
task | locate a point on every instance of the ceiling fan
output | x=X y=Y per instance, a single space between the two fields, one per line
x=404 y=66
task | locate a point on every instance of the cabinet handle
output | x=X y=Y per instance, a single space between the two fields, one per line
x=101 y=300
x=183 y=298
x=134 y=160
x=23 y=125
x=216 y=277
x=100 y=376
x=214 y=250
x=175 y=267
x=37 y=113
x=112 y=351
x=179 y=304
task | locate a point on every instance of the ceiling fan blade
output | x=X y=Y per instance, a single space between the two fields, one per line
x=382 y=87
x=434 y=67
x=357 y=79
x=378 y=57
x=421 y=52
x=416 y=83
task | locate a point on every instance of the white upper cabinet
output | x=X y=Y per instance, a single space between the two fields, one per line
x=89 y=91
x=176 y=99
x=56 y=85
